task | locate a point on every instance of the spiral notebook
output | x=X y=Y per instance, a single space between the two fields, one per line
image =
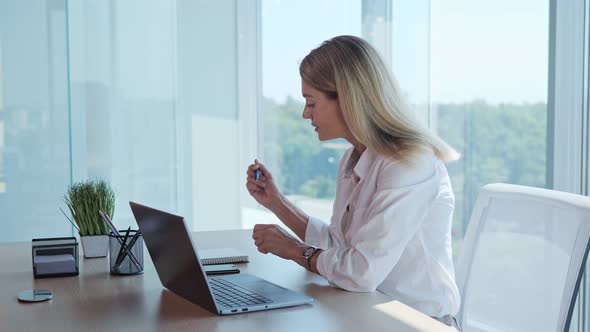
x=222 y=256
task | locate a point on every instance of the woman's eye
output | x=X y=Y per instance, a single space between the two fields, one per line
x=310 y=105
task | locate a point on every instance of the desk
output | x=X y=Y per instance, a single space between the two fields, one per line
x=97 y=301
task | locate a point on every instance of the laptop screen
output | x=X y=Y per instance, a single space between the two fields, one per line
x=171 y=249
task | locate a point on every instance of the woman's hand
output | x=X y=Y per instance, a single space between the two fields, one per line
x=264 y=190
x=275 y=240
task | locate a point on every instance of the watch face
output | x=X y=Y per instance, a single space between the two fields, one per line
x=308 y=251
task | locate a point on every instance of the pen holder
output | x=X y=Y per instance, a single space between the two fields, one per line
x=126 y=253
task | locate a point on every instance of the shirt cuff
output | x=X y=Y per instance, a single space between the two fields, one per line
x=322 y=265
x=317 y=233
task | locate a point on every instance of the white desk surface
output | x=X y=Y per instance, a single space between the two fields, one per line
x=97 y=301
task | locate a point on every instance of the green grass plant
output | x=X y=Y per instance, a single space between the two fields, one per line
x=84 y=199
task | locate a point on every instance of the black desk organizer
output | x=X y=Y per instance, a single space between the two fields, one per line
x=55 y=246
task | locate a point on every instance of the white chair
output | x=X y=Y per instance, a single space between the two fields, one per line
x=522 y=259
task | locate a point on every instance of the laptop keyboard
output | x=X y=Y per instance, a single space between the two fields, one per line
x=232 y=295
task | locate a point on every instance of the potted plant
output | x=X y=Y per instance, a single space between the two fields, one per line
x=84 y=200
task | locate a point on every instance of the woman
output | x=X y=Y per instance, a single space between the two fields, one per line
x=391 y=222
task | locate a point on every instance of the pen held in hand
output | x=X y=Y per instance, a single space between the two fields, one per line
x=257 y=174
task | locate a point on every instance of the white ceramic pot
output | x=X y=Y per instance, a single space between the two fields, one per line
x=95 y=246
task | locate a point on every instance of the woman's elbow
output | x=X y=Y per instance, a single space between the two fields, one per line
x=356 y=283
x=356 y=272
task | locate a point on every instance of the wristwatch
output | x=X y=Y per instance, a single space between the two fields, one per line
x=307 y=254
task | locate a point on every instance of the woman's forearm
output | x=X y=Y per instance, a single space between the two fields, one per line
x=292 y=216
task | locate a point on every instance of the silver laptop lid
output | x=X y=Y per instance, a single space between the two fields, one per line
x=176 y=260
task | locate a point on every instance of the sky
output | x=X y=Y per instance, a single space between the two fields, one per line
x=494 y=50
x=290 y=29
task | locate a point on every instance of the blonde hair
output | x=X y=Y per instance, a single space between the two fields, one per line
x=349 y=69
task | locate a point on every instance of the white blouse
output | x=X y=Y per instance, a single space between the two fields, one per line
x=391 y=231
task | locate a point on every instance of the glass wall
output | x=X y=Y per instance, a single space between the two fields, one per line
x=2 y=183
x=489 y=94
x=123 y=100
x=155 y=106
x=34 y=130
x=171 y=100
x=150 y=106
x=304 y=167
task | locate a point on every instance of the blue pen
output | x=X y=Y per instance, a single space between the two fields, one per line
x=257 y=174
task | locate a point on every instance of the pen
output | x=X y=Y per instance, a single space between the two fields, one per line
x=122 y=247
x=107 y=220
x=257 y=174
x=127 y=249
x=116 y=234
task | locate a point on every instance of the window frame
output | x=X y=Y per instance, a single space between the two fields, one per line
x=568 y=114
x=565 y=97
x=249 y=67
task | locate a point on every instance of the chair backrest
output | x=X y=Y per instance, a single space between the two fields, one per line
x=522 y=259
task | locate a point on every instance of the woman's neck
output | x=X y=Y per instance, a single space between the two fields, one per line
x=357 y=153
x=359 y=148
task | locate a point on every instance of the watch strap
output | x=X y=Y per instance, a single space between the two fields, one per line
x=308 y=257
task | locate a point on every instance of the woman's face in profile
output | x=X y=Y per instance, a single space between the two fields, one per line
x=324 y=113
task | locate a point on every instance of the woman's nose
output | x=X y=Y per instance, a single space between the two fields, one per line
x=306 y=113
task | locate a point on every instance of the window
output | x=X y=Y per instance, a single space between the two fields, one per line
x=34 y=146
x=124 y=113
x=305 y=167
x=170 y=101
x=2 y=183
x=489 y=94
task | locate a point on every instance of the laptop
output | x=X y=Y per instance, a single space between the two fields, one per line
x=179 y=268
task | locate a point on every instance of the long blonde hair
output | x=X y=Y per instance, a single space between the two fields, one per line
x=350 y=69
